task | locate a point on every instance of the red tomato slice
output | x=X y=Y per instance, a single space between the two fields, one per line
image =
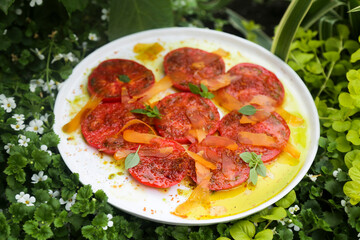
x=231 y=170
x=161 y=172
x=100 y=126
x=175 y=123
x=104 y=79
x=249 y=80
x=274 y=126
x=194 y=64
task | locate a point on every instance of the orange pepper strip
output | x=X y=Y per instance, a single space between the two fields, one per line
x=257 y=139
x=290 y=118
x=218 y=82
x=135 y=121
x=76 y=121
x=218 y=141
x=291 y=149
x=201 y=160
x=136 y=137
x=158 y=87
x=121 y=154
x=227 y=101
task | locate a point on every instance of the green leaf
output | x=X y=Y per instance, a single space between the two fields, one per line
x=248 y=110
x=44 y=213
x=333 y=44
x=61 y=219
x=355 y=56
x=352 y=190
x=242 y=229
x=275 y=213
x=354 y=173
x=346 y=100
x=288 y=26
x=128 y=17
x=4 y=227
x=50 y=139
x=71 y=6
x=353 y=137
x=89 y=231
x=5 y=4
x=253 y=176
x=288 y=200
x=84 y=193
x=30 y=227
x=266 y=234
x=132 y=159
x=334 y=187
x=341 y=126
x=148 y=111
x=342 y=144
x=319 y=9
x=332 y=56
x=261 y=170
x=202 y=91
x=124 y=78
x=194 y=89
x=237 y=21
x=100 y=220
x=246 y=157
x=41 y=159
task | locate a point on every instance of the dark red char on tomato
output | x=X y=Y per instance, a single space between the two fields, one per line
x=274 y=126
x=100 y=126
x=191 y=65
x=178 y=109
x=230 y=170
x=249 y=80
x=161 y=171
x=104 y=79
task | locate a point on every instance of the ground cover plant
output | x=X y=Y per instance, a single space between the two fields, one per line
x=41 y=41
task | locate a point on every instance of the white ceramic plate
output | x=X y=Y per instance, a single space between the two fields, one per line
x=125 y=193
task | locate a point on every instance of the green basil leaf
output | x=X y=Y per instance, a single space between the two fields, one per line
x=246 y=157
x=248 y=110
x=261 y=170
x=124 y=78
x=253 y=176
x=194 y=89
x=132 y=159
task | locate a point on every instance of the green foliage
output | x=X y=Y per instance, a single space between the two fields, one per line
x=132 y=159
x=148 y=111
x=202 y=91
x=256 y=165
x=47 y=41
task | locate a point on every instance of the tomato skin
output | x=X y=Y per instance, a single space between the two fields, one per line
x=103 y=80
x=274 y=126
x=182 y=61
x=161 y=172
x=174 y=124
x=223 y=177
x=101 y=125
x=252 y=80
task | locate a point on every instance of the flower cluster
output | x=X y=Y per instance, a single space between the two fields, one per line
x=46 y=86
x=19 y=122
x=8 y=104
x=25 y=198
x=69 y=202
x=110 y=223
x=67 y=57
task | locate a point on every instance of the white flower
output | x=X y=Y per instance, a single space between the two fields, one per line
x=75 y=37
x=45 y=149
x=358 y=235
x=47 y=87
x=5 y=32
x=105 y=14
x=8 y=104
x=296 y=228
x=84 y=45
x=93 y=37
x=25 y=198
x=110 y=223
x=70 y=57
x=38 y=177
x=18 y=11
x=18 y=126
x=336 y=172
x=19 y=117
x=68 y=203
x=38 y=52
x=45 y=117
x=35 y=2
x=53 y=194
x=23 y=140
x=294 y=209
x=2 y=97
x=35 y=83
x=57 y=57
x=35 y=126
x=8 y=146
x=313 y=177
x=343 y=203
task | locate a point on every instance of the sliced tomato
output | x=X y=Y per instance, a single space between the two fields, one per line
x=274 y=127
x=194 y=64
x=161 y=171
x=230 y=170
x=100 y=127
x=249 y=80
x=177 y=121
x=104 y=81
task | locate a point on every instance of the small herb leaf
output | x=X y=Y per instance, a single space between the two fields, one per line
x=256 y=165
x=132 y=159
x=148 y=111
x=202 y=91
x=248 y=110
x=124 y=78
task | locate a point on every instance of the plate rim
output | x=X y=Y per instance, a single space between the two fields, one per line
x=313 y=118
